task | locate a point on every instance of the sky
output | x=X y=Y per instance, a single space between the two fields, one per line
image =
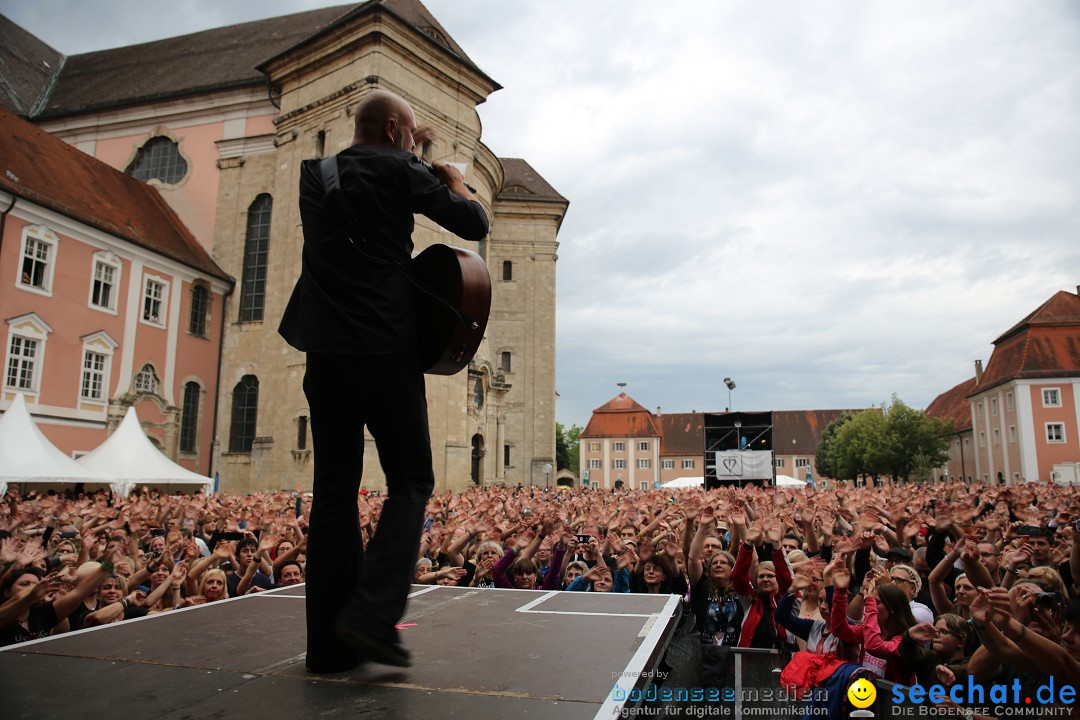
x=828 y=202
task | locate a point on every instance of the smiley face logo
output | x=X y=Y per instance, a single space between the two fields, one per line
x=862 y=693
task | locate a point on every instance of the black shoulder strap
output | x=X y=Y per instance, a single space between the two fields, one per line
x=334 y=200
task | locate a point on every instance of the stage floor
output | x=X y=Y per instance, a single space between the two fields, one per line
x=476 y=653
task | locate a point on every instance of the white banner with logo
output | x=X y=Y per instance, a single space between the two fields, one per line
x=743 y=465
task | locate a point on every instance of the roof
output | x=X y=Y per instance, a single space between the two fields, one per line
x=27 y=68
x=953 y=405
x=681 y=434
x=1063 y=309
x=411 y=12
x=95 y=194
x=621 y=417
x=216 y=59
x=804 y=427
x=522 y=182
x=1045 y=344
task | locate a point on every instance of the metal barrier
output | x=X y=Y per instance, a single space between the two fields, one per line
x=749 y=687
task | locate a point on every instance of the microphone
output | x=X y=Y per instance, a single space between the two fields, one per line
x=431 y=169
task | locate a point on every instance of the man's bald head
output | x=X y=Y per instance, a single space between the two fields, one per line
x=385 y=119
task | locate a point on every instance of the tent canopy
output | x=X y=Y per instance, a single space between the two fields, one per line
x=684 y=482
x=27 y=456
x=788 y=481
x=130 y=457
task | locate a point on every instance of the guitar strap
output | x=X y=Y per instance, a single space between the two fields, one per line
x=334 y=199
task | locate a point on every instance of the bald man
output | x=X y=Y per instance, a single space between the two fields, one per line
x=352 y=313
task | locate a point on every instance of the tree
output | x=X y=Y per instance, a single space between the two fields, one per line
x=823 y=456
x=567 y=447
x=914 y=439
x=895 y=441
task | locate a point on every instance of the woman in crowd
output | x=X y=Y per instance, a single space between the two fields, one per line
x=936 y=652
x=887 y=616
x=772 y=579
x=213 y=585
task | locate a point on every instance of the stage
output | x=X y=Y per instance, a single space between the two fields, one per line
x=476 y=653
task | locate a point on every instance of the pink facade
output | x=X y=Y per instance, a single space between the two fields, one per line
x=1025 y=416
x=1063 y=414
x=97 y=318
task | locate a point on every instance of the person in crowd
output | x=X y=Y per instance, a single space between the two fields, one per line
x=888 y=615
x=771 y=580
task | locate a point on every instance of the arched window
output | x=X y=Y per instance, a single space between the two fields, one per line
x=478 y=393
x=245 y=407
x=189 y=419
x=256 y=249
x=200 y=304
x=158 y=159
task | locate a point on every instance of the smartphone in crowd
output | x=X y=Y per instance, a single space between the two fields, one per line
x=299 y=506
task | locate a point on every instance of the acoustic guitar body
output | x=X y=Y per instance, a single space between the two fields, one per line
x=459 y=279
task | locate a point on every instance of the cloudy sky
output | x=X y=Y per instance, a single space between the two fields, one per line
x=828 y=202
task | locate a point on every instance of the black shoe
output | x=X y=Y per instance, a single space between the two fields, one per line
x=336 y=665
x=376 y=650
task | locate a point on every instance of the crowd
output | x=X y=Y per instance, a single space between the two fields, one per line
x=936 y=585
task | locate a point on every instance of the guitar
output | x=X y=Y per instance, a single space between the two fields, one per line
x=453 y=299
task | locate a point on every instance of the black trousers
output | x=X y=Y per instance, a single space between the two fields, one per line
x=386 y=393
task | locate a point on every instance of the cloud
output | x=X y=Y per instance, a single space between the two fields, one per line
x=828 y=202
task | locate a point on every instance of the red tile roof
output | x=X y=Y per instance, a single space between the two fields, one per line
x=621 y=417
x=954 y=405
x=44 y=170
x=681 y=434
x=1045 y=344
x=805 y=427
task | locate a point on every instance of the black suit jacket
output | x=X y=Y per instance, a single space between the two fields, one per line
x=348 y=304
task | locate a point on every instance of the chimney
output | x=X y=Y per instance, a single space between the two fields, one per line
x=658 y=411
x=978 y=372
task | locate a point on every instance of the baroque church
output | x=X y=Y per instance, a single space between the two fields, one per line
x=218 y=123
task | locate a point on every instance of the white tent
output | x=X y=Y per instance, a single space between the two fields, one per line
x=788 y=481
x=27 y=456
x=129 y=456
x=684 y=482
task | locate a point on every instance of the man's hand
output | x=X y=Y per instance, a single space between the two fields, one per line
x=452 y=178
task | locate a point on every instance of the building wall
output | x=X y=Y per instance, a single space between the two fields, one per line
x=318 y=92
x=77 y=425
x=199 y=125
x=606 y=450
x=667 y=474
x=1064 y=414
x=961 y=462
x=239 y=145
x=1025 y=454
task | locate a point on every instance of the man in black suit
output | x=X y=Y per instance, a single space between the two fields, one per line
x=352 y=312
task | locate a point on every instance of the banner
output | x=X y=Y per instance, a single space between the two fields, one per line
x=743 y=465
